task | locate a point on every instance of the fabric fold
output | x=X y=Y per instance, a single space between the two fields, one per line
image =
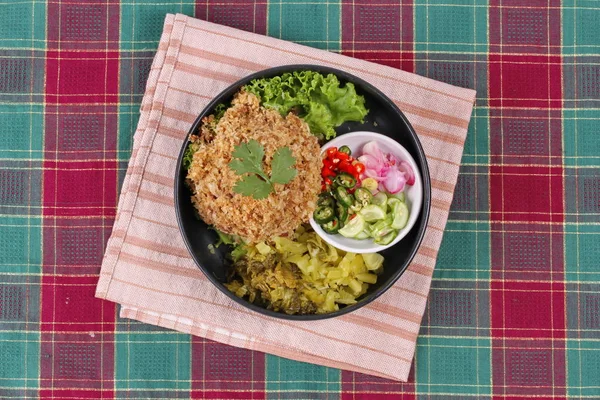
x=146 y=267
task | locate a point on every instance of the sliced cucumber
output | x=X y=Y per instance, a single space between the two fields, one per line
x=389 y=218
x=400 y=196
x=372 y=213
x=370 y=184
x=400 y=215
x=363 y=235
x=355 y=226
x=380 y=229
x=380 y=199
x=391 y=202
x=388 y=238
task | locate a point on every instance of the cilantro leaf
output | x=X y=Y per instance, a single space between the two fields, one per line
x=252 y=185
x=248 y=159
x=281 y=166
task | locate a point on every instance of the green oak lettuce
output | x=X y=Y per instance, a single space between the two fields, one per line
x=188 y=155
x=319 y=100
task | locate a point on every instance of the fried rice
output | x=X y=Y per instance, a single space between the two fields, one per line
x=212 y=181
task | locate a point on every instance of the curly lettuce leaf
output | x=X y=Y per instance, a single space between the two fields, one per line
x=224 y=238
x=320 y=119
x=219 y=111
x=320 y=100
x=188 y=155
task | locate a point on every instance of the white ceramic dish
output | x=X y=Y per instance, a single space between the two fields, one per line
x=414 y=193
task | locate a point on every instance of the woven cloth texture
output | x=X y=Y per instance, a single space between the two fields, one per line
x=513 y=310
x=147 y=267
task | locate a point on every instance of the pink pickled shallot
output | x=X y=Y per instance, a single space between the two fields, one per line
x=369 y=161
x=391 y=173
x=394 y=181
x=372 y=149
x=408 y=171
x=371 y=173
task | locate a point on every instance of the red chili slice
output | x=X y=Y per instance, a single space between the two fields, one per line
x=327 y=172
x=328 y=164
x=342 y=156
x=345 y=166
x=359 y=167
x=331 y=152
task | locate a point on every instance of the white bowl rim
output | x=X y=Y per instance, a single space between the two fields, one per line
x=417 y=194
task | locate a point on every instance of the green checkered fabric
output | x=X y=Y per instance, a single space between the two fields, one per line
x=514 y=309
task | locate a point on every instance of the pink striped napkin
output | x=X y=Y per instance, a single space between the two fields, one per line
x=147 y=268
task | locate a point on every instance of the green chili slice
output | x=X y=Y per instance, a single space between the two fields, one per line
x=363 y=196
x=346 y=180
x=345 y=149
x=355 y=207
x=323 y=214
x=341 y=213
x=342 y=195
x=332 y=226
x=325 y=200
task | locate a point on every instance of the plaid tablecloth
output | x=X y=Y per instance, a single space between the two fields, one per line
x=515 y=306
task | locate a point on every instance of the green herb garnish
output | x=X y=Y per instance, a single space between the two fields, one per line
x=321 y=101
x=281 y=166
x=219 y=111
x=238 y=252
x=188 y=155
x=224 y=238
x=248 y=159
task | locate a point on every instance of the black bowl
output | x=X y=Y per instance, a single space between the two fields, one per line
x=383 y=117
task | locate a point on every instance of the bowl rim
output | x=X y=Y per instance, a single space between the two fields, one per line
x=387 y=142
x=343 y=75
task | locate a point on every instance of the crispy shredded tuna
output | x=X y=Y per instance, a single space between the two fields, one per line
x=212 y=180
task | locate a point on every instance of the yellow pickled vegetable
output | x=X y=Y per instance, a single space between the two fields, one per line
x=263 y=249
x=367 y=278
x=373 y=261
x=289 y=246
x=355 y=286
x=358 y=265
x=334 y=274
x=302 y=274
